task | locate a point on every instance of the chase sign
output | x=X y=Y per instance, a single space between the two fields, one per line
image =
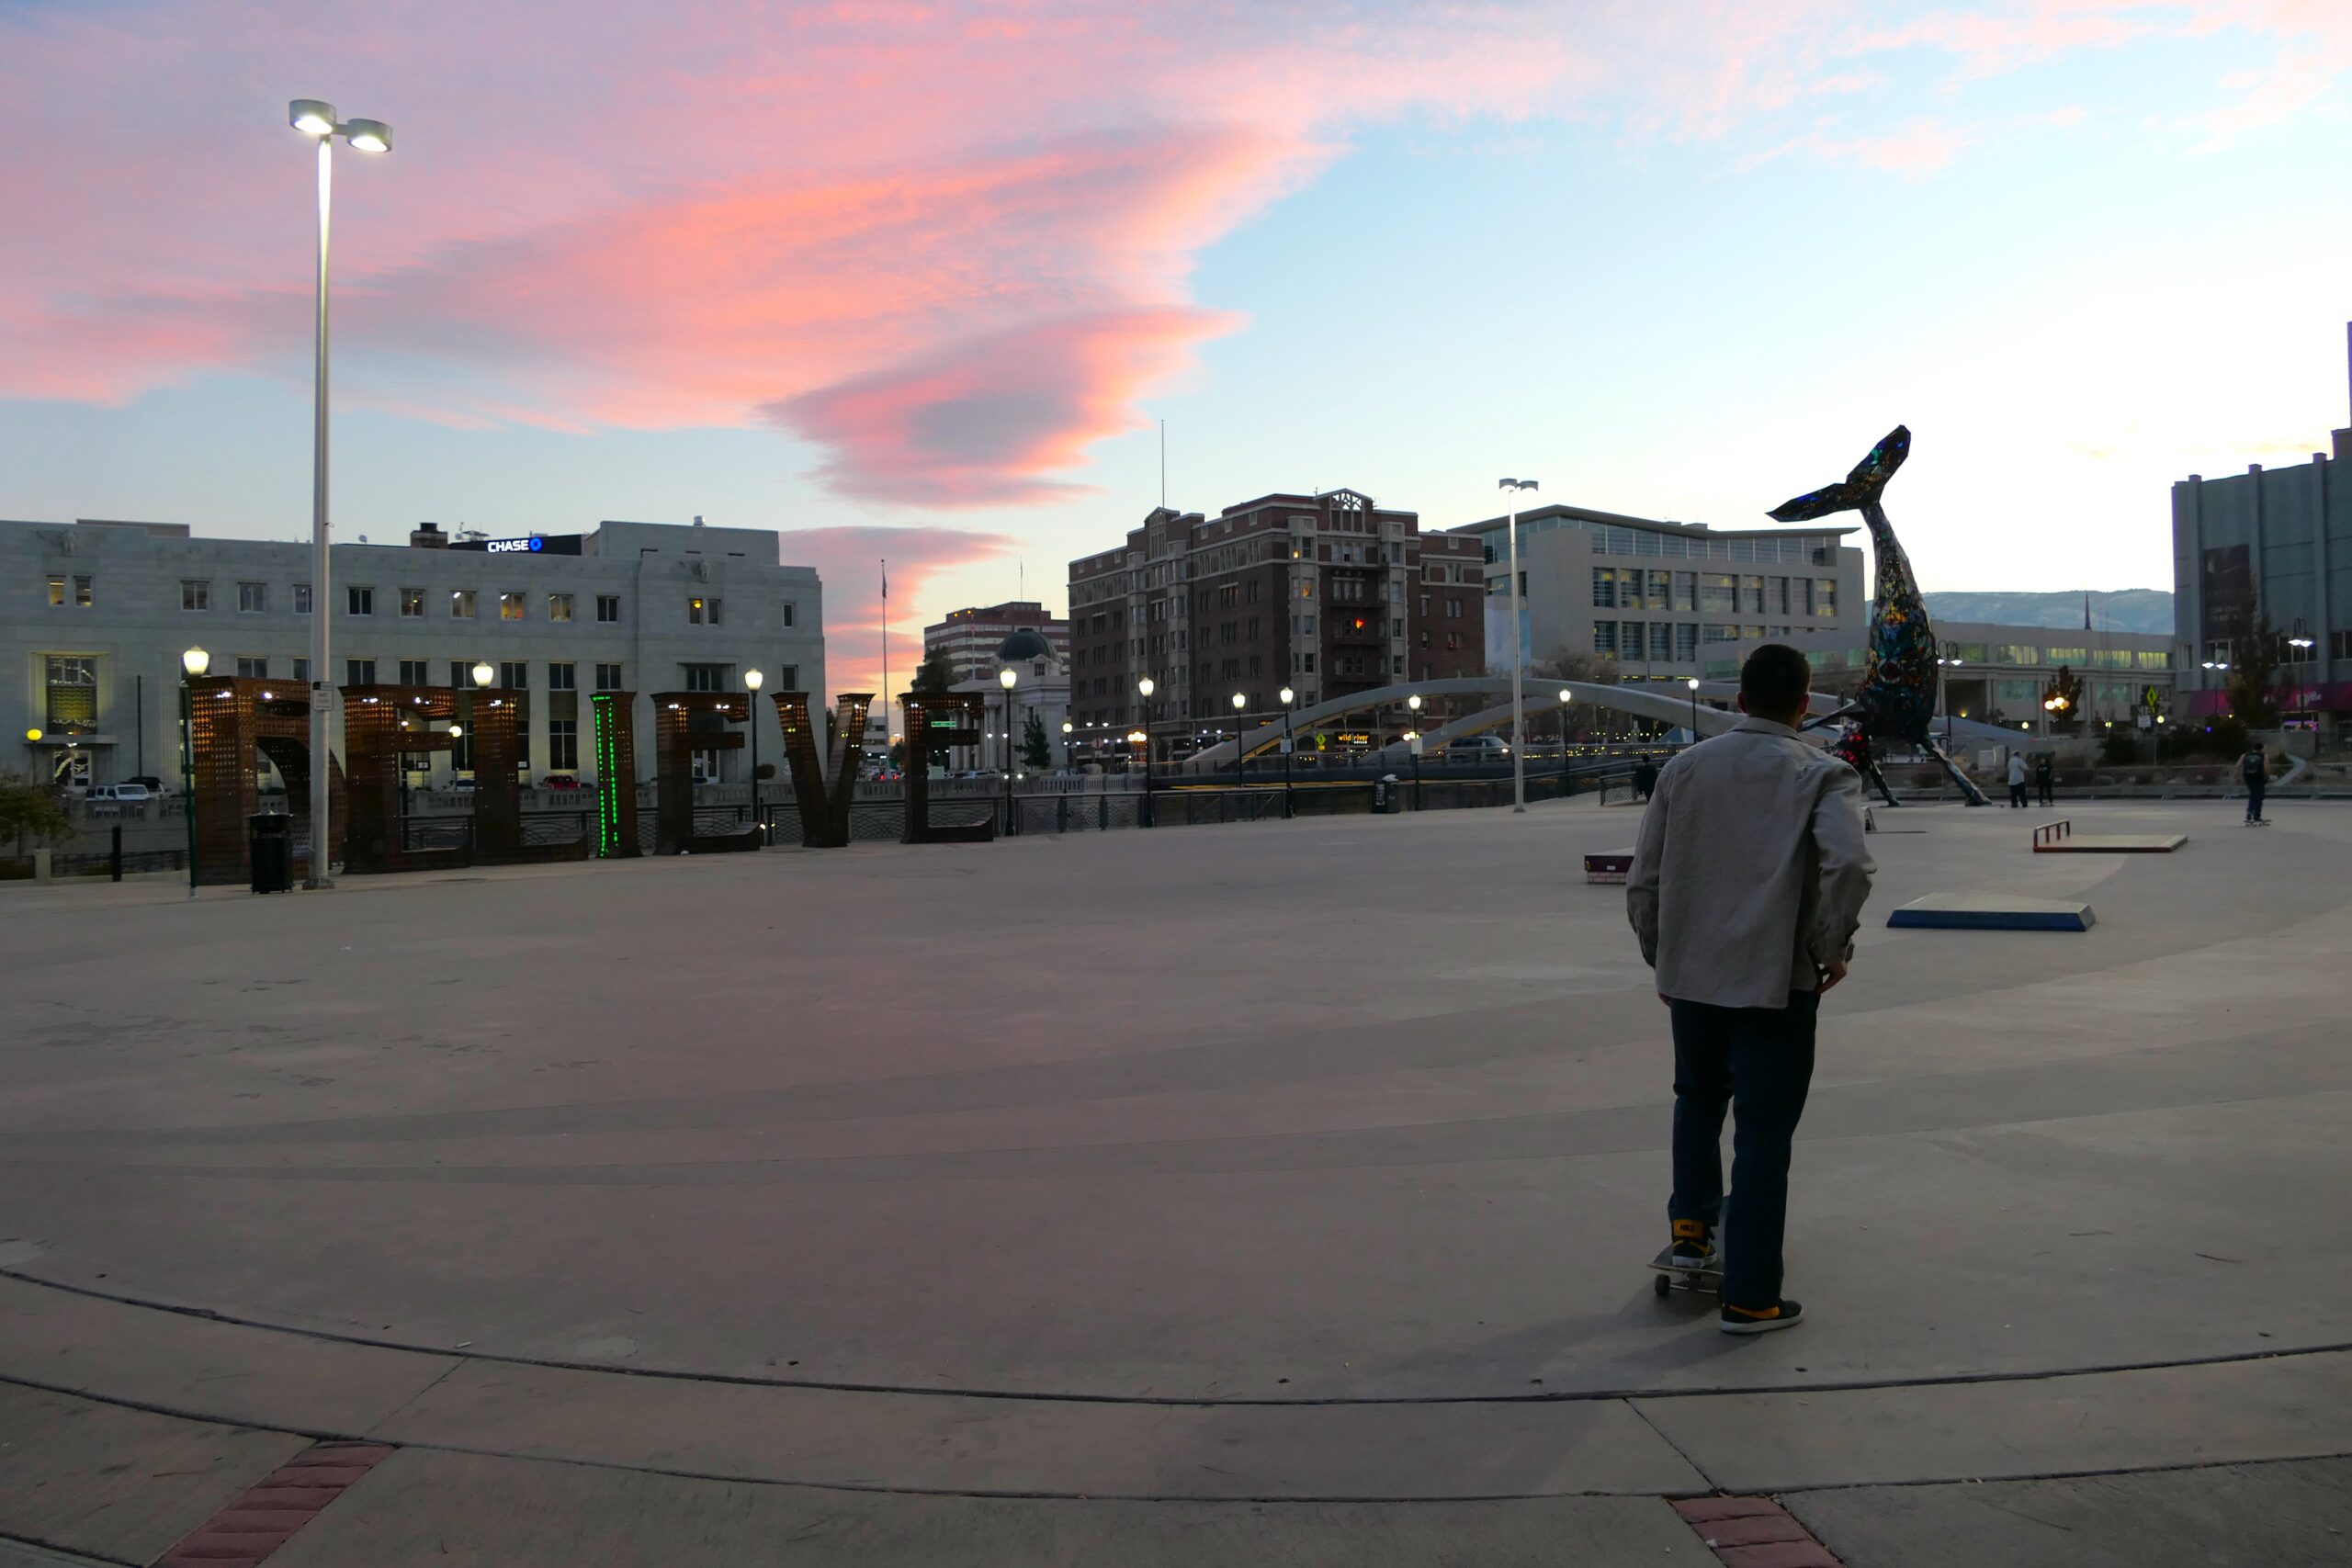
x=515 y=546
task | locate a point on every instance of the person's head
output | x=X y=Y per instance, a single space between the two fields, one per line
x=1775 y=683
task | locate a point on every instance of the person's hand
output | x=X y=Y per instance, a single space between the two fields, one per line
x=1832 y=972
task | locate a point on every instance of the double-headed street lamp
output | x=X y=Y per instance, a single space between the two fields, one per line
x=318 y=121
x=1518 y=658
x=753 y=680
x=1239 y=702
x=1143 y=688
x=1289 y=809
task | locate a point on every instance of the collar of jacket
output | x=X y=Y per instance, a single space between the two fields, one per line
x=1764 y=727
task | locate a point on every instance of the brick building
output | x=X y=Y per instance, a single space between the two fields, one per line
x=1328 y=595
x=971 y=637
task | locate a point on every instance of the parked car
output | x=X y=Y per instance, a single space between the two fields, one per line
x=559 y=781
x=1479 y=748
x=122 y=791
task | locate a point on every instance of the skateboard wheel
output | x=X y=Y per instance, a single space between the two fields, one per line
x=1660 y=1285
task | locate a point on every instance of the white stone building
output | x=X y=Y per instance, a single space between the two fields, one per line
x=95 y=617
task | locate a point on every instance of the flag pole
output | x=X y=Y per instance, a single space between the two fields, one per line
x=885 y=664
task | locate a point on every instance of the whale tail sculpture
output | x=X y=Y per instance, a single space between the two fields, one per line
x=1898 y=695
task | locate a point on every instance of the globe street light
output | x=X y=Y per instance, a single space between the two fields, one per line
x=1289 y=809
x=1239 y=702
x=317 y=119
x=1067 y=729
x=1517 y=712
x=484 y=673
x=753 y=680
x=1145 y=688
x=193 y=664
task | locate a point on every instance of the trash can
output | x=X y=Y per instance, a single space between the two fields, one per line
x=269 y=841
x=1386 y=798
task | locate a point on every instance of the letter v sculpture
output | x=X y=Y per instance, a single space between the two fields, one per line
x=824 y=809
x=1898 y=696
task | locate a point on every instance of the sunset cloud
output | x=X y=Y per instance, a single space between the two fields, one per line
x=950 y=245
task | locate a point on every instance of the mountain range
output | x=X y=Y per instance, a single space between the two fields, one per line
x=2123 y=610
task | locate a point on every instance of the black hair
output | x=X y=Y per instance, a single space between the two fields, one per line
x=1775 y=682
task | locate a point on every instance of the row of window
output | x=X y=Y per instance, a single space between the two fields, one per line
x=512 y=674
x=1634 y=588
x=252 y=599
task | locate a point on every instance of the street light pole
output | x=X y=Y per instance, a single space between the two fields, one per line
x=1694 y=710
x=1066 y=728
x=1239 y=702
x=1289 y=809
x=193 y=664
x=1518 y=660
x=1413 y=743
x=1145 y=688
x=1563 y=742
x=1007 y=678
x=317 y=119
x=753 y=680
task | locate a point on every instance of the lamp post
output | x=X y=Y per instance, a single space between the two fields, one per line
x=1694 y=710
x=193 y=664
x=1067 y=729
x=1145 y=688
x=1413 y=744
x=318 y=121
x=1290 y=808
x=1518 y=658
x=1008 y=678
x=1239 y=702
x=1564 y=697
x=753 y=680
x=1944 y=667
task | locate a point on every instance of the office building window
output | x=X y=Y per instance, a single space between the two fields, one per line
x=1825 y=597
x=1751 y=594
x=461 y=603
x=787 y=677
x=1604 y=588
x=82 y=586
x=707 y=677
x=72 y=691
x=416 y=672
x=562 y=677
x=558 y=606
x=1685 y=641
x=252 y=668
x=1716 y=591
x=461 y=675
x=194 y=594
x=701 y=612
x=359 y=672
x=1686 y=590
x=1661 y=639
x=360 y=601
x=252 y=598
x=788 y=612
x=563 y=744
x=514 y=674
x=1604 y=638
x=510 y=607
x=301 y=598
x=608 y=607
x=57 y=591
x=302 y=671
x=608 y=677
x=2339 y=646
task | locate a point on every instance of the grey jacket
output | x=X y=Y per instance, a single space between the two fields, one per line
x=1750 y=872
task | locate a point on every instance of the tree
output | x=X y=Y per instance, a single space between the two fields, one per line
x=2063 y=701
x=1586 y=668
x=2253 y=664
x=935 y=675
x=31 y=811
x=1034 y=752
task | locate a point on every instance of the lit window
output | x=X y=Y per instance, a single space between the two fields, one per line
x=510 y=607
x=701 y=612
x=413 y=604
x=57 y=591
x=558 y=606
x=82 y=593
x=461 y=603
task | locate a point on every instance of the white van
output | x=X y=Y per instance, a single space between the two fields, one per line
x=127 y=793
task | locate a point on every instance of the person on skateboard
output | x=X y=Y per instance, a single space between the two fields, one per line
x=1747 y=885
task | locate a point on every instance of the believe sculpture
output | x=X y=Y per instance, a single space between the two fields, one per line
x=1898 y=696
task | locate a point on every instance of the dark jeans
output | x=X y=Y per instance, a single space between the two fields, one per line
x=2254 y=805
x=2043 y=792
x=1756 y=1062
x=2017 y=794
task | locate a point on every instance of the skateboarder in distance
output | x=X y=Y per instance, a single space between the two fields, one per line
x=1747 y=885
x=2254 y=769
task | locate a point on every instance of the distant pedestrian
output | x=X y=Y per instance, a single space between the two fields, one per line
x=1645 y=778
x=2255 y=771
x=2045 y=774
x=1745 y=890
x=2017 y=779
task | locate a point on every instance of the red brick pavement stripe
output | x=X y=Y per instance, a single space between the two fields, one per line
x=1753 y=1532
x=265 y=1514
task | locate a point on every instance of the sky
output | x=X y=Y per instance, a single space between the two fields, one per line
x=924 y=279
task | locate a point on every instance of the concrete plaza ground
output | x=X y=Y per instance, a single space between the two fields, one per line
x=1278 y=1192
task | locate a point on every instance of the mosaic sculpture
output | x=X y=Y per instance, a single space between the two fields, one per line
x=1898 y=696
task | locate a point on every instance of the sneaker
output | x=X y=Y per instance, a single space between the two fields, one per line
x=1746 y=1320
x=1694 y=1246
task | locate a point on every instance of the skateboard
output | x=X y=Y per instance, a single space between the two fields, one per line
x=1671 y=1276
